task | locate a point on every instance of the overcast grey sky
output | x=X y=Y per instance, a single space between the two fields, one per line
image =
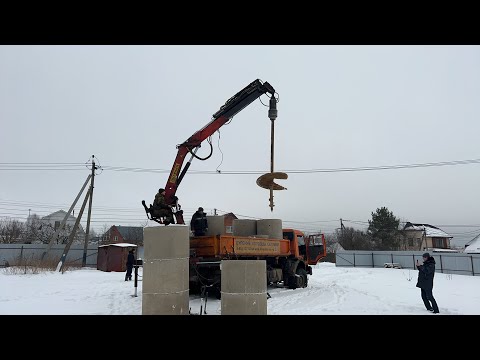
x=340 y=106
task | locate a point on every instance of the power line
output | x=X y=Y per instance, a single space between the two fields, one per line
x=57 y=167
x=310 y=222
x=56 y=205
x=357 y=222
x=463 y=225
x=466 y=232
x=40 y=163
x=309 y=171
x=48 y=208
x=125 y=211
x=104 y=214
x=309 y=227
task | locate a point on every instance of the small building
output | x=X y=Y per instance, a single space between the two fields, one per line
x=113 y=257
x=425 y=237
x=228 y=221
x=473 y=246
x=123 y=234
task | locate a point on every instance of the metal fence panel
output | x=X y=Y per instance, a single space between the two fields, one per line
x=11 y=253
x=460 y=265
x=381 y=259
x=363 y=259
x=476 y=265
x=449 y=263
x=344 y=259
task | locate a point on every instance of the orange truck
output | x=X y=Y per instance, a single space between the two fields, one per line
x=288 y=260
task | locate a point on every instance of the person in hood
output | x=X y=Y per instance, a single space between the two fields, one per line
x=426 y=272
x=130 y=262
x=199 y=223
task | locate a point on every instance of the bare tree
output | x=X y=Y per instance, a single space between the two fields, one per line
x=11 y=231
x=105 y=235
x=402 y=240
x=37 y=231
x=352 y=239
x=331 y=240
x=92 y=235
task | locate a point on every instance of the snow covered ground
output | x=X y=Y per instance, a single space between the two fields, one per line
x=331 y=290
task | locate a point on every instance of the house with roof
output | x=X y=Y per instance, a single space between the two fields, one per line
x=425 y=237
x=123 y=234
x=473 y=246
x=228 y=222
x=53 y=221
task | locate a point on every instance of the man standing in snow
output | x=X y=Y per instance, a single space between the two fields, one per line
x=426 y=273
x=130 y=261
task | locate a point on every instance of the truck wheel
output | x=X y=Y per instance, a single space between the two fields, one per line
x=303 y=281
x=292 y=282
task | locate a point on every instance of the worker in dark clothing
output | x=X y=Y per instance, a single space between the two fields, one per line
x=199 y=223
x=426 y=272
x=130 y=262
x=161 y=209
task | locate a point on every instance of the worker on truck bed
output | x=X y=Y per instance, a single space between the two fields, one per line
x=199 y=223
x=161 y=209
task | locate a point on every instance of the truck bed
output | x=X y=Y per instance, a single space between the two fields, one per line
x=228 y=245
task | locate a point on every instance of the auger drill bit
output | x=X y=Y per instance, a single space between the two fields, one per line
x=266 y=180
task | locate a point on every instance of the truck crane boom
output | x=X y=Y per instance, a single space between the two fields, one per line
x=226 y=112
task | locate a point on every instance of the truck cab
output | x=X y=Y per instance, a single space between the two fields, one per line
x=310 y=249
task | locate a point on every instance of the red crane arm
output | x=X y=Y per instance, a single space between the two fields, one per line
x=234 y=105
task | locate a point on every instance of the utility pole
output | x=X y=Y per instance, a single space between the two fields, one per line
x=61 y=264
x=424 y=238
x=87 y=230
x=28 y=225
x=342 y=228
x=62 y=224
